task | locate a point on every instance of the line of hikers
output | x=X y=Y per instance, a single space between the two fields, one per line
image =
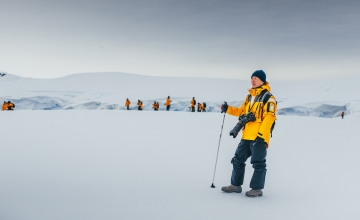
x=8 y=106
x=201 y=107
x=155 y=105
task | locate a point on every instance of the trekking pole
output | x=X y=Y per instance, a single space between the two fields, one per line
x=212 y=185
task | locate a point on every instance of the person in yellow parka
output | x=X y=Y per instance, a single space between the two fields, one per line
x=156 y=106
x=127 y=104
x=257 y=117
x=167 y=103
x=192 y=104
x=4 y=106
x=140 y=105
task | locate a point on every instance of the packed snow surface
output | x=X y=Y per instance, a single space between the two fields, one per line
x=159 y=165
x=108 y=91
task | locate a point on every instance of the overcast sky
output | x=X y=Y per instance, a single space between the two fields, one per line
x=289 y=39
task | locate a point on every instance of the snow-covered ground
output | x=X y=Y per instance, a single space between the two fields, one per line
x=158 y=165
x=108 y=91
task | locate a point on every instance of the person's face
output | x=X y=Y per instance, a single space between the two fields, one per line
x=256 y=82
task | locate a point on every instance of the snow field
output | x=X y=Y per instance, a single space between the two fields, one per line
x=159 y=165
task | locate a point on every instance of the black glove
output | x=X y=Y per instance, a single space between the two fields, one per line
x=224 y=107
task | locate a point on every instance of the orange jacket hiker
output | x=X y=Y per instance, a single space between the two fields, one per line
x=4 y=106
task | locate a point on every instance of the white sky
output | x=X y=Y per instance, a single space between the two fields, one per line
x=297 y=40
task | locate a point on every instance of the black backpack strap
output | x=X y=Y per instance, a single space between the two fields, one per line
x=265 y=99
x=272 y=128
x=264 y=96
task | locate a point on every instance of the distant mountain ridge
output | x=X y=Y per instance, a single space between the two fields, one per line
x=108 y=91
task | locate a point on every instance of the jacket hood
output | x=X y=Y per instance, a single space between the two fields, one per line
x=258 y=90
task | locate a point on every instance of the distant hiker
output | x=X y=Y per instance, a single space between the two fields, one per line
x=199 y=107
x=257 y=118
x=342 y=115
x=156 y=106
x=5 y=106
x=204 y=107
x=167 y=103
x=192 y=104
x=127 y=104
x=140 y=106
x=10 y=106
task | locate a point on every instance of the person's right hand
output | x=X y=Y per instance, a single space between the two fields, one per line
x=224 y=107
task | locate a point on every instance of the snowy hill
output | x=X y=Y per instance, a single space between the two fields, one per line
x=109 y=91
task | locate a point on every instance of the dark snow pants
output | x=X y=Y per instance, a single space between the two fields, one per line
x=257 y=151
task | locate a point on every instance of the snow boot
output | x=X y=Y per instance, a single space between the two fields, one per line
x=254 y=193
x=231 y=189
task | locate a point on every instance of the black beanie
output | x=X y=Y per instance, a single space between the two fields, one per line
x=260 y=74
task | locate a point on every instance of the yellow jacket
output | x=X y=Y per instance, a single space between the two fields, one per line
x=127 y=103
x=264 y=114
x=192 y=103
x=140 y=105
x=167 y=103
